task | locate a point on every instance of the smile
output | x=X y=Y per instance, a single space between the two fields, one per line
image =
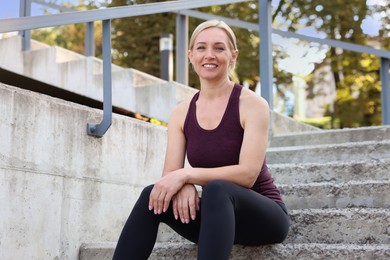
x=209 y=65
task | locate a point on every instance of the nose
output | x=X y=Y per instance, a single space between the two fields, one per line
x=210 y=54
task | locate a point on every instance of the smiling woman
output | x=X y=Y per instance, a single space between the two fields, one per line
x=223 y=131
x=214 y=40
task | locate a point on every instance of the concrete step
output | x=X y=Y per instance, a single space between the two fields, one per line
x=371 y=150
x=330 y=226
x=337 y=136
x=188 y=251
x=368 y=194
x=337 y=172
x=333 y=226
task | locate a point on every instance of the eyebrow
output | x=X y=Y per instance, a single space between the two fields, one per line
x=213 y=43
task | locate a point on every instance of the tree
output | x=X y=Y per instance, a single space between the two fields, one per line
x=356 y=75
x=135 y=40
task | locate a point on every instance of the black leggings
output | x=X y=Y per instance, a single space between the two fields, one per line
x=229 y=214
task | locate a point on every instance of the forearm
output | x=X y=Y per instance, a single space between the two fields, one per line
x=238 y=174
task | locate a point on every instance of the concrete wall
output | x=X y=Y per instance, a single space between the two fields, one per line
x=60 y=187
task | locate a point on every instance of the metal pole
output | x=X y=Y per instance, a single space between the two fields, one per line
x=266 y=67
x=89 y=39
x=166 y=57
x=99 y=130
x=25 y=10
x=385 y=94
x=181 y=49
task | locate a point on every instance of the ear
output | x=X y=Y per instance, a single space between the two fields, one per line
x=189 y=55
x=234 y=57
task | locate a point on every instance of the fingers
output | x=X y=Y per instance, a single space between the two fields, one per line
x=183 y=211
x=192 y=209
x=165 y=202
x=174 y=207
x=197 y=202
x=184 y=204
x=158 y=201
x=161 y=204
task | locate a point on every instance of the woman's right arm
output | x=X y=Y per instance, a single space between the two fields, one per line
x=175 y=152
x=185 y=202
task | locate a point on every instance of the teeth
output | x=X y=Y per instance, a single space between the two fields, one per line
x=209 y=66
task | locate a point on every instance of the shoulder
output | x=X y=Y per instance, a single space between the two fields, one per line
x=179 y=114
x=250 y=100
x=252 y=106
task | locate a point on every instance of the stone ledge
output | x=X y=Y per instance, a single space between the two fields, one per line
x=186 y=250
x=330 y=226
x=373 y=150
x=368 y=194
x=333 y=136
x=337 y=172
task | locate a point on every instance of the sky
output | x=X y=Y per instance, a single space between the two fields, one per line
x=10 y=8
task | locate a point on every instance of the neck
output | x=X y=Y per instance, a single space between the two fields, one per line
x=215 y=89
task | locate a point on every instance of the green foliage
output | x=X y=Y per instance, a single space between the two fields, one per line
x=358 y=94
x=322 y=122
x=356 y=75
x=136 y=44
x=135 y=40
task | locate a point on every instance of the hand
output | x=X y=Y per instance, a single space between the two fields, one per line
x=185 y=203
x=164 y=189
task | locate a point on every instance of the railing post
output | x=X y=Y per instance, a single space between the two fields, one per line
x=181 y=49
x=265 y=56
x=99 y=130
x=89 y=39
x=25 y=10
x=385 y=93
x=166 y=57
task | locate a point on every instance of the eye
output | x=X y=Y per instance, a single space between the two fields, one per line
x=200 y=48
x=220 y=48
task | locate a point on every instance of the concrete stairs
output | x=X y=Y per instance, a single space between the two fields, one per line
x=336 y=185
x=132 y=90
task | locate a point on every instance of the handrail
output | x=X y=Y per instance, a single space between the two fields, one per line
x=385 y=93
x=99 y=130
x=52 y=20
x=43 y=21
x=255 y=27
x=266 y=90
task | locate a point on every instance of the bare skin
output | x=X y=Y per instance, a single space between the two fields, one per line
x=211 y=57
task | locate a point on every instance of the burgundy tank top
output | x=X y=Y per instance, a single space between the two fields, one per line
x=221 y=146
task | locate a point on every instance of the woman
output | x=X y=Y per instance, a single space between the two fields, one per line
x=223 y=130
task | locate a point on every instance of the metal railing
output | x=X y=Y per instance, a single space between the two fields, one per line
x=266 y=61
x=264 y=27
x=34 y=22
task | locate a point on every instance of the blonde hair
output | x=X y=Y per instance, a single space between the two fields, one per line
x=229 y=32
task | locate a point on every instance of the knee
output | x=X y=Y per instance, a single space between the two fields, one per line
x=146 y=191
x=215 y=188
x=143 y=199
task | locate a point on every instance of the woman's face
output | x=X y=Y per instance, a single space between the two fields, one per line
x=211 y=54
